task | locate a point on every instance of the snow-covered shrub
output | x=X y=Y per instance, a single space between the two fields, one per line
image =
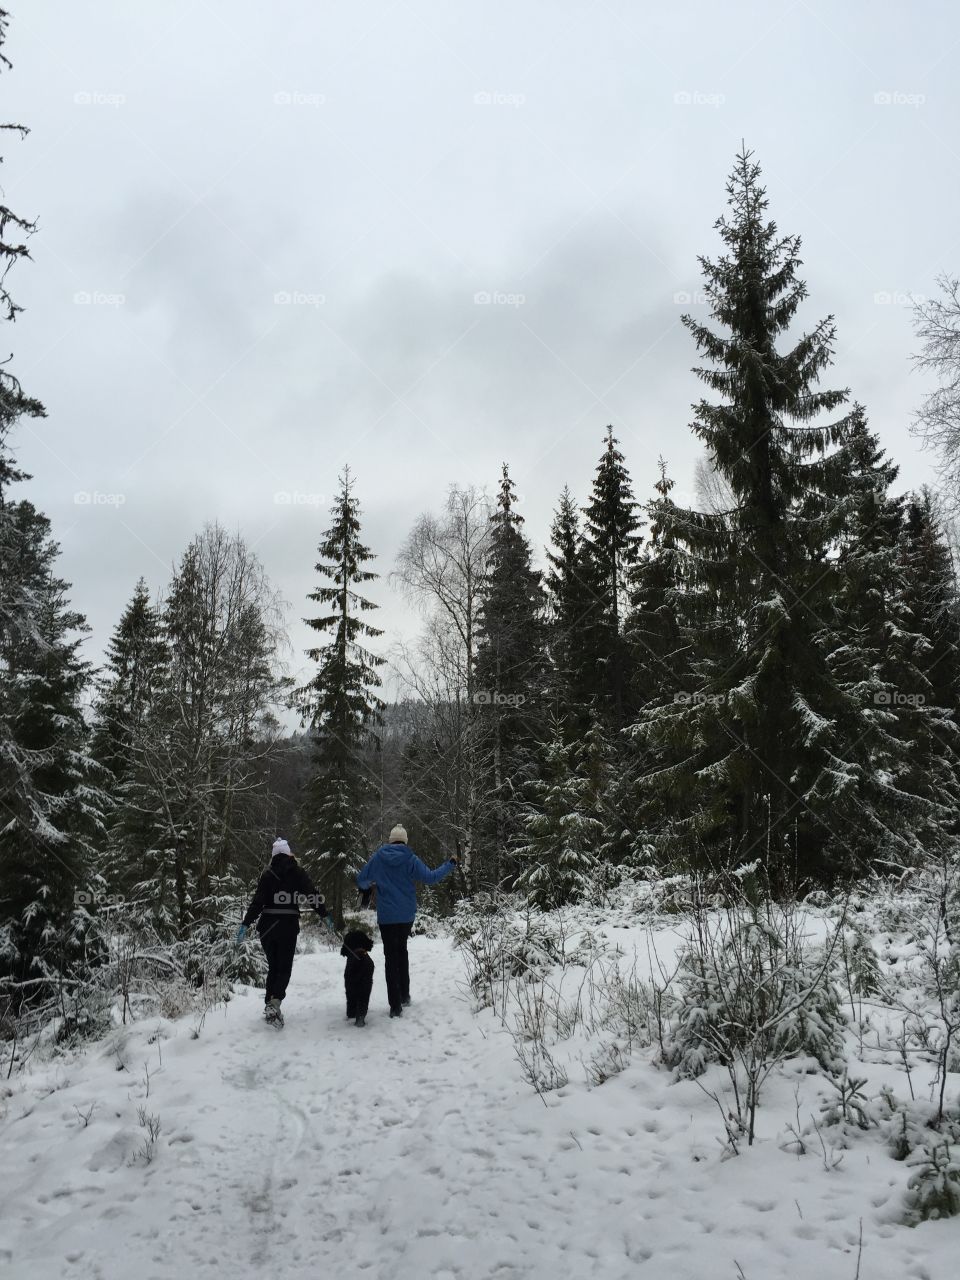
x=630 y=1006
x=933 y=1190
x=861 y=965
x=847 y=1107
x=746 y=975
x=753 y=990
x=501 y=944
x=930 y=914
x=175 y=998
x=606 y=1061
x=539 y=1068
x=428 y=924
x=151 y=1126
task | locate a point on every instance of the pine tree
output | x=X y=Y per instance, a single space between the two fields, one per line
x=510 y=670
x=763 y=757
x=611 y=547
x=557 y=855
x=339 y=702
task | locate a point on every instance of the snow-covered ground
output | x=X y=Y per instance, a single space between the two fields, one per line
x=414 y=1150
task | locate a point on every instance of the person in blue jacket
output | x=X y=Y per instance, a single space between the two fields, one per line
x=395 y=869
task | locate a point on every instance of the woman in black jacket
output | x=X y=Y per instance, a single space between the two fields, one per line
x=282 y=889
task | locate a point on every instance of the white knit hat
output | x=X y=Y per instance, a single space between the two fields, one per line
x=398 y=835
x=280 y=846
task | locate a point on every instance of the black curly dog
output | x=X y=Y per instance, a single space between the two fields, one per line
x=357 y=974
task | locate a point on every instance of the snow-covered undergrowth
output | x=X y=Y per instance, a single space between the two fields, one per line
x=548 y=1109
x=822 y=1029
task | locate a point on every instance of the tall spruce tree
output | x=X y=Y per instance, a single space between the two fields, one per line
x=50 y=799
x=128 y=690
x=611 y=548
x=511 y=671
x=339 y=702
x=135 y=661
x=763 y=757
x=565 y=600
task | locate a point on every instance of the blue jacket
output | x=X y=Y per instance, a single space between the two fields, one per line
x=395 y=870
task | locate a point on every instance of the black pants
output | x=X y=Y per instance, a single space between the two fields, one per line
x=396 y=965
x=279 y=943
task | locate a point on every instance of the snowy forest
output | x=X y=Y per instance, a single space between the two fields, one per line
x=737 y=715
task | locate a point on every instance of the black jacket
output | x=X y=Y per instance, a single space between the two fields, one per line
x=281 y=890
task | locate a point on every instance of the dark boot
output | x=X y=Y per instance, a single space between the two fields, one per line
x=360 y=1021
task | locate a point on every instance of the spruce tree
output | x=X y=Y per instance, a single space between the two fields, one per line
x=557 y=853
x=126 y=689
x=339 y=702
x=510 y=671
x=611 y=547
x=878 y=654
x=564 y=588
x=659 y=653
x=50 y=798
x=761 y=758
x=932 y=598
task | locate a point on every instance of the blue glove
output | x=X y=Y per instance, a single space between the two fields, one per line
x=241 y=934
x=330 y=923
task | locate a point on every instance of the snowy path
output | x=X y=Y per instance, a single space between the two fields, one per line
x=410 y=1149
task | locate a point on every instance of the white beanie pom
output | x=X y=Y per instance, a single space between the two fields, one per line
x=398 y=835
x=280 y=846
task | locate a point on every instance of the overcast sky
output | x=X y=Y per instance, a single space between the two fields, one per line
x=264 y=231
